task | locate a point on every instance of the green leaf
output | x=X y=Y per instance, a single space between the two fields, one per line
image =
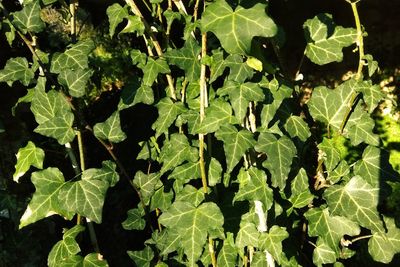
x=239 y=71
x=177 y=151
x=186 y=172
x=372 y=65
x=191 y=194
x=193 y=223
x=76 y=57
x=168 y=111
x=272 y=241
x=146 y=184
x=323 y=254
x=44 y=202
x=356 y=200
x=253 y=186
x=110 y=129
x=301 y=195
x=217 y=65
x=236 y=28
x=383 y=246
x=116 y=14
x=28 y=156
x=280 y=153
x=59 y=127
x=325 y=41
x=24 y=99
x=186 y=58
x=240 y=96
x=219 y=113
x=16 y=69
x=65 y=248
x=248 y=235
x=75 y=81
x=85 y=197
x=330 y=153
x=214 y=172
x=297 y=127
x=372 y=94
x=362 y=131
x=330 y=106
x=167 y=241
x=28 y=19
x=371 y=167
x=94 y=260
x=135 y=24
x=106 y=173
x=236 y=143
x=153 y=68
x=227 y=255
x=135 y=220
x=161 y=200
x=330 y=229
x=142 y=257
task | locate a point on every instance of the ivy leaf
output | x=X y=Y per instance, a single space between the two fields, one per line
x=116 y=14
x=383 y=246
x=254 y=187
x=217 y=65
x=93 y=260
x=331 y=154
x=167 y=241
x=301 y=195
x=323 y=254
x=44 y=202
x=110 y=129
x=325 y=41
x=371 y=168
x=75 y=80
x=240 y=96
x=153 y=68
x=330 y=228
x=236 y=28
x=85 y=197
x=28 y=156
x=219 y=113
x=16 y=69
x=357 y=200
x=65 y=248
x=106 y=173
x=135 y=220
x=272 y=241
x=191 y=194
x=168 y=111
x=59 y=127
x=186 y=172
x=193 y=223
x=187 y=59
x=280 y=153
x=362 y=131
x=372 y=94
x=248 y=235
x=28 y=19
x=161 y=200
x=24 y=99
x=142 y=257
x=214 y=172
x=76 y=57
x=239 y=71
x=146 y=184
x=227 y=256
x=176 y=151
x=135 y=24
x=330 y=106
x=236 y=143
x=297 y=127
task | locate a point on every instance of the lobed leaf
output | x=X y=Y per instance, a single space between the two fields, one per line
x=28 y=156
x=16 y=69
x=110 y=129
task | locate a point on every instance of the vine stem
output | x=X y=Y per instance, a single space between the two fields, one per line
x=72 y=9
x=360 y=45
x=155 y=42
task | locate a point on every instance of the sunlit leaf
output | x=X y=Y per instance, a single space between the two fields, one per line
x=325 y=41
x=161 y=200
x=272 y=241
x=75 y=81
x=280 y=153
x=297 y=127
x=168 y=111
x=116 y=14
x=76 y=57
x=16 y=69
x=383 y=246
x=356 y=200
x=65 y=248
x=135 y=24
x=186 y=172
x=135 y=220
x=301 y=195
x=110 y=129
x=142 y=257
x=239 y=71
x=236 y=28
x=94 y=260
x=187 y=59
x=45 y=202
x=372 y=94
x=28 y=19
x=152 y=68
x=362 y=131
x=248 y=235
x=28 y=156
x=193 y=223
x=214 y=172
x=217 y=65
x=59 y=127
x=228 y=254
x=323 y=254
x=236 y=143
x=191 y=194
x=146 y=184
